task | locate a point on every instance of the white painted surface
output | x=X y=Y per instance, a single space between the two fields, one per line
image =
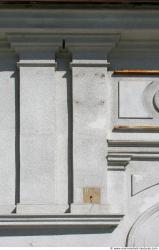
x=37 y=134
x=43 y=114
x=129 y=38
x=7 y=141
x=89 y=130
x=131 y=100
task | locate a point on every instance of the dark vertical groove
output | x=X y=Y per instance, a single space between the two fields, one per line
x=63 y=59
x=17 y=138
x=70 y=135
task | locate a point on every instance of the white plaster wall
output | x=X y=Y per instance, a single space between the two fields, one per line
x=130 y=190
x=7 y=134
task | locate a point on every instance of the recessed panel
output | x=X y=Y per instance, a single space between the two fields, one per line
x=131 y=99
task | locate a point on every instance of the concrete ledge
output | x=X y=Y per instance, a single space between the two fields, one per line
x=66 y=220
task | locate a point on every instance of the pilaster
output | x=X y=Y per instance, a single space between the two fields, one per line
x=89 y=133
x=43 y=127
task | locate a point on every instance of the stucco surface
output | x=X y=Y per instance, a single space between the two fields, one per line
x=61 y=114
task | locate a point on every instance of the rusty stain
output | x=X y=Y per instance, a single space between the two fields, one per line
x=91 y=195
x=85 y=1
x=151 y=127
x=136 y=72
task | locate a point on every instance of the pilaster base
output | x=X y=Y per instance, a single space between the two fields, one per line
x=41 y=209
x=6 y=209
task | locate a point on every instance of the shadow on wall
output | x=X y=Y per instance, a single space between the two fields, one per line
x=53 y=231
x=8 y=63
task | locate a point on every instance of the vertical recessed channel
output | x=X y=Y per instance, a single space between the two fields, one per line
x=17 y=138
x=63 y=59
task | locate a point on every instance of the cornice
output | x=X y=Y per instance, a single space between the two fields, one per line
x=89 y=46
x=63 y=220
x=121 y=153
x=78 y=20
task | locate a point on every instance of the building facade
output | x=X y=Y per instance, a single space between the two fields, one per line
x=79 y=123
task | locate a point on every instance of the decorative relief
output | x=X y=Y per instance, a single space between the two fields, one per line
x=151 y=98
x=138 y=99
x=156 y=101
x=145 y=230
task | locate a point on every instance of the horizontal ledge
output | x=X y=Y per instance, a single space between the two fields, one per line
x=89 y=63
x=85 y=1
x=37 y=63
x=136 y=72
x=132 y=143
x=60 y=220
x=136 y=128
x=125 y=157
x=118 y=161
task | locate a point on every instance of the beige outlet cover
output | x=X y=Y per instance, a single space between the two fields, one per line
x=91 y=195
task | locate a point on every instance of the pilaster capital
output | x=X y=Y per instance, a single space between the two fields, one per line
x=34 y=48
x=36 y=63
x=89 y=63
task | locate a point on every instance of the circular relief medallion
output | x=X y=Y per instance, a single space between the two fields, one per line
x=156 y=100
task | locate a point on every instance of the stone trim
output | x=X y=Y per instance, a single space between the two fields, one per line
x=120 y=153
x=89 y=63
x=37 y=63
x=60 y=220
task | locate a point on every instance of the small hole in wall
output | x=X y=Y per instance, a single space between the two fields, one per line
x=91 y=198
x=91 y=195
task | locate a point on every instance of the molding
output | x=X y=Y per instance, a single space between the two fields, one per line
x=136 y=72
x=136 y=128
x=36 y=63
x=43 y=45
x=67 y=21
x=143 y=218
x=118 y=162
x=89 y=63
x=120 y=153
x=5 y=49
x=60 y=220
x=132 y=143
x=83 y=1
